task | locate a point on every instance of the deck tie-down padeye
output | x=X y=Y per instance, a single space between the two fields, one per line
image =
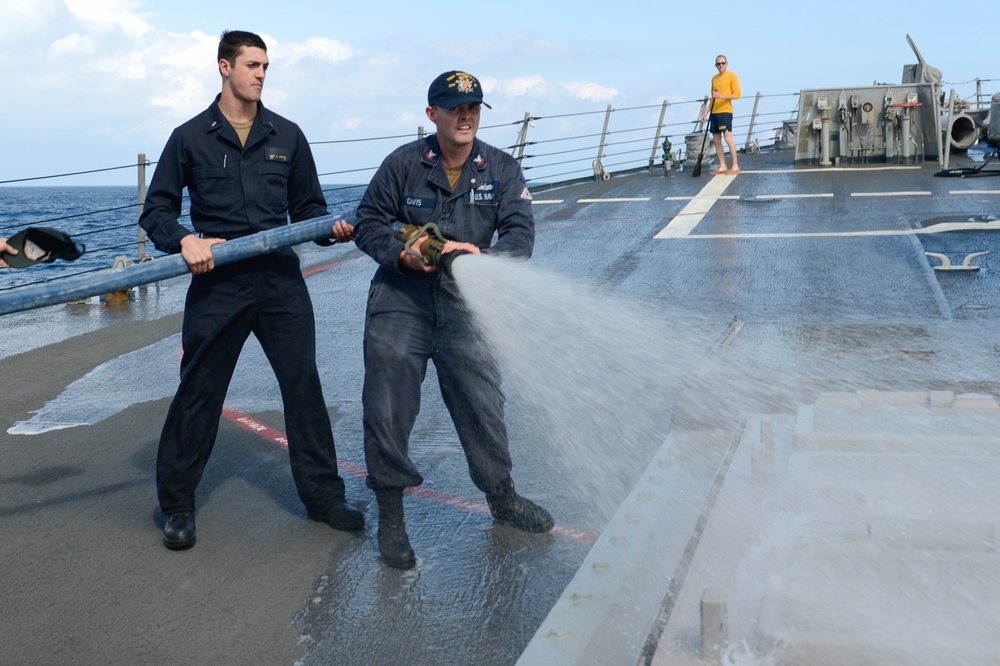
x=946 y=264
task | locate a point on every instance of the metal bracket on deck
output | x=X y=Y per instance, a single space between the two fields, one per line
x=946 y=264
x=599 y=172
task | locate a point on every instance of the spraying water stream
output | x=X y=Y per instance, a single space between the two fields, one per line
x=595 y=379
x=850 y=556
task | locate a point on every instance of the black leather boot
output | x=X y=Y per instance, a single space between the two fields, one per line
x=179 y=532
x=393 y=543
x=509 y=508
x=339 y=515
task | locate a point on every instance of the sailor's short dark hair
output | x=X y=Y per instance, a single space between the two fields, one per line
x=233 y=40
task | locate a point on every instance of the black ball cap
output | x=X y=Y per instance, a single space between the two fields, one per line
x=455 y=88
x=41 y=245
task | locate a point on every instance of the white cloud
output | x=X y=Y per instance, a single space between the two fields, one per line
x=538 y=87
x=186 y=96
x=28 y=22
x=110 y=15
x=351 y=123
x=593 y=92
x=73 y=45
x=408 y=121
x=177 y=72
x=320 y=48
x=522 y=86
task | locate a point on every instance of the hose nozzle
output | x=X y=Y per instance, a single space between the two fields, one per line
x=431 y=249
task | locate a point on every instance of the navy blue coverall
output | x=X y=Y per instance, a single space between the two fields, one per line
x=235 y=191
x=413 y=317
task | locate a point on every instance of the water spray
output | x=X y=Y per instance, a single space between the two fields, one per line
x=431 y=251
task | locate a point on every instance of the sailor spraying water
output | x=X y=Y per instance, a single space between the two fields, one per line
x=473 y=192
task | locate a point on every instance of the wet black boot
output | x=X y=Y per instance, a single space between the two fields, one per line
x=509 y=508
x=339 y=515
x=393 y=543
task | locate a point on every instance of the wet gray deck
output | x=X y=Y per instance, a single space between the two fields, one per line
x=792 y=297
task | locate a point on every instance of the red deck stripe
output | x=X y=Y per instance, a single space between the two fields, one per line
x=278 y=438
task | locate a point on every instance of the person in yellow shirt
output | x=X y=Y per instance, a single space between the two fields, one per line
x=725 y=88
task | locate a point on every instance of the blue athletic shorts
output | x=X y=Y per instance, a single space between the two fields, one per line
x=721 y=122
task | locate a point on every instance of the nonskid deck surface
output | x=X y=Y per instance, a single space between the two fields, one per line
x=789 y=283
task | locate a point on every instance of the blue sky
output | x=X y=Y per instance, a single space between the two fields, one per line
x=90 y=83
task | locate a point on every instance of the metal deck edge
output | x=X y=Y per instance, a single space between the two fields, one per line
x=611 y=609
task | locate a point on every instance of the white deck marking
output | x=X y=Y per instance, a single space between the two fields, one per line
x=916 y=193
x=830 y=169
x=973 y=191
x=934 y=229
x=696 y=209
x=762 y=197
x=612 y=200
x=728 y=197
x=546 y=201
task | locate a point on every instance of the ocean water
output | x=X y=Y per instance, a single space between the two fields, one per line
x=104 y=219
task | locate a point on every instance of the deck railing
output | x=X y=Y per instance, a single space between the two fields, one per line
x=553 y=150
